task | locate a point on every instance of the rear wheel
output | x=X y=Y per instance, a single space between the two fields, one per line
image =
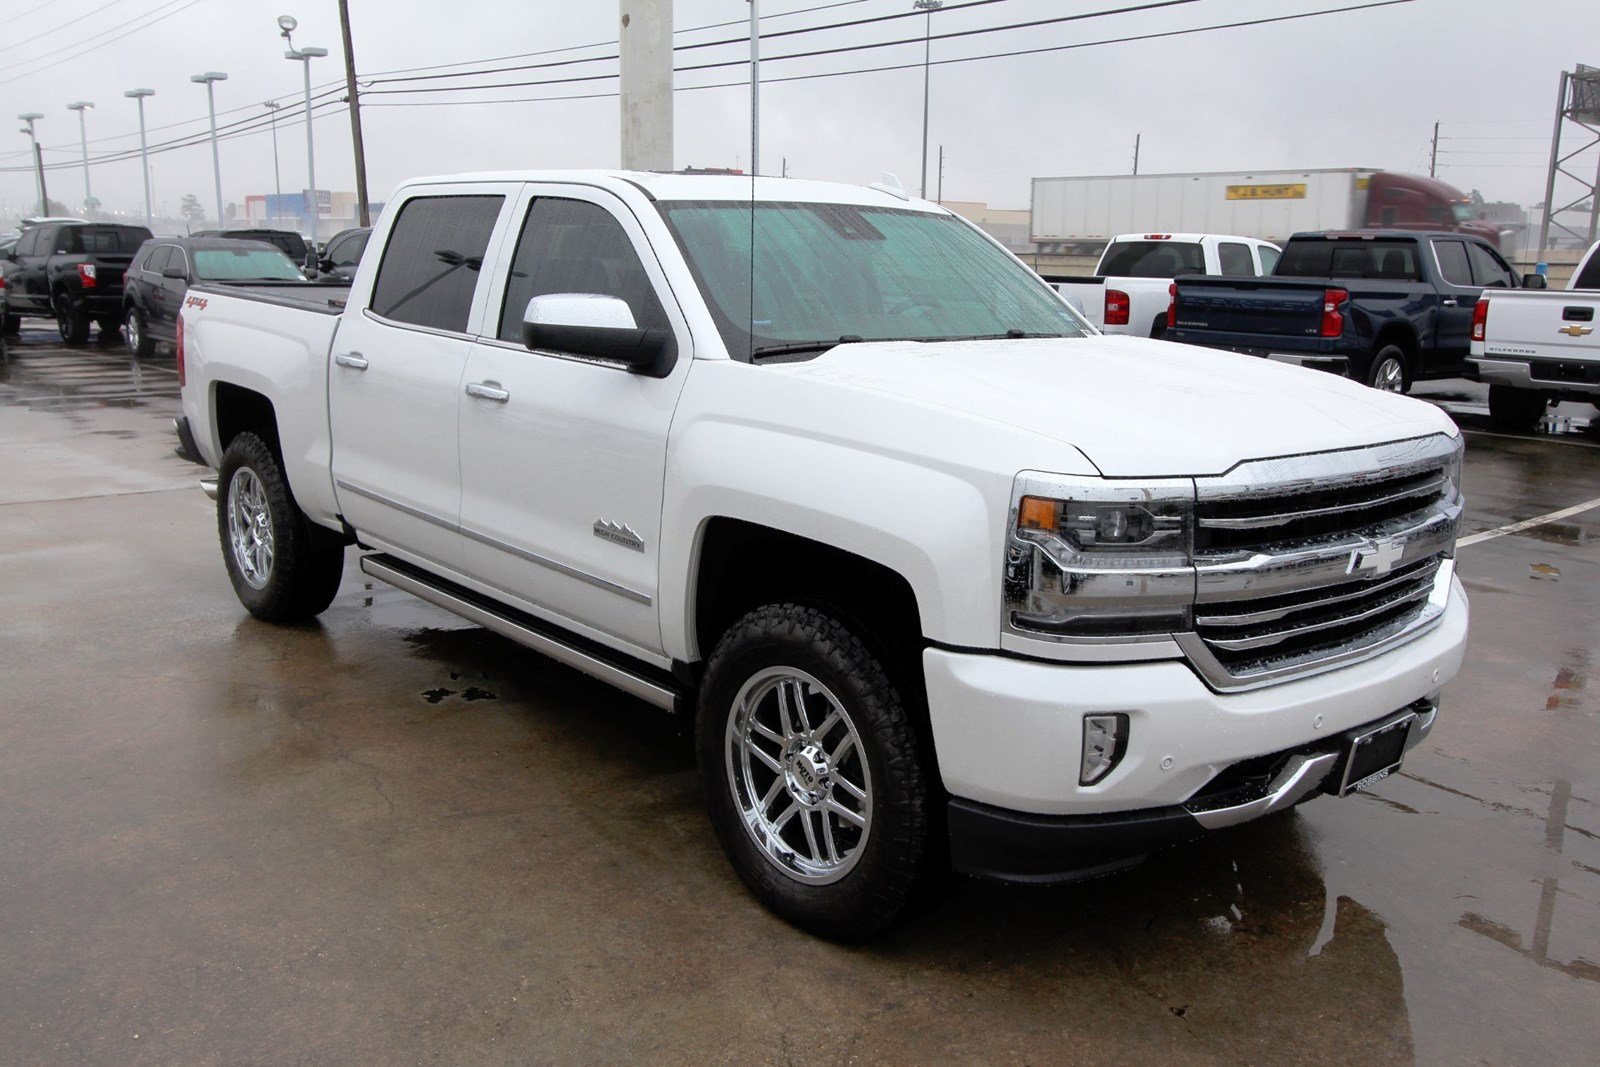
x=140 y=343
x=10 y=324
x=813 y=772
x=1516 y=409
x=1388 y=370
x=72 y=322
x=278 y=572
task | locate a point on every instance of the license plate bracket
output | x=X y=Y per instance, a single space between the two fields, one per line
x=1374 y=754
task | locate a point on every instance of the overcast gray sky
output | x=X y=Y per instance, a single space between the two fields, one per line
x=1359 y=88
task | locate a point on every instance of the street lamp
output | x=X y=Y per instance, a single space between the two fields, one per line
x=930 y=6
x=287 y=24
x=272 y=107
x=209 y=80
x=38 y=159
x=80 y=106
x=144 y=151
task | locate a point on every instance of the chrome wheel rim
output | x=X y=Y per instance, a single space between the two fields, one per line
x=133 y=331
x=799 y=777
x=250 y=528
x=1389 y=378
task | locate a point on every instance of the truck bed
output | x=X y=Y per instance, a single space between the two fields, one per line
x=325 y=298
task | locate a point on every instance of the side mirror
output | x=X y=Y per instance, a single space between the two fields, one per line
x=174 y=272
x=1535 y=281
x=313 y=260
x=596 y=327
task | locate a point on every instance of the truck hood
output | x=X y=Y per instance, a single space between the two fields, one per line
x=1135 y=407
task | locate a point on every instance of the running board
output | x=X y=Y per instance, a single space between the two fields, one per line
x=525 y=630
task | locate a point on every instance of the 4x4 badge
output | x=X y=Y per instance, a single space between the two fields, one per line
x=618 y=533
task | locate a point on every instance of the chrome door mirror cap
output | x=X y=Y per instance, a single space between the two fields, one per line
x=596 y=327
x=589 y=310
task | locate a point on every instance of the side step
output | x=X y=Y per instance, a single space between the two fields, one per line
x=631 y=676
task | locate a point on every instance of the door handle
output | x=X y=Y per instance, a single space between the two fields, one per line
x=1448 y=301
x=488 y=391
x=353 y=360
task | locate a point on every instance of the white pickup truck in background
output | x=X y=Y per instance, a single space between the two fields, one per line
x=1131 y=288
x=944 y=578
x=1533 y=346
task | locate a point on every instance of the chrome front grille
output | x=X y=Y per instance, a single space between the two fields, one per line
x=1307 y=562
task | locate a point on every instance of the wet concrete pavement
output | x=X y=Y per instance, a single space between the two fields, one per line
x=392 y=836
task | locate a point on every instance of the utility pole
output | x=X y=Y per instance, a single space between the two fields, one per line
x=928 y=6
x=1433 y=154
x=272 y=107
x=1136 y=138
x=80 y=106
x=209 y=80
x=304 y=56
x=138 y=95
x=755 y=90
x=355 y=113
x=940 y=195
x=645 y=33
x=38 y=159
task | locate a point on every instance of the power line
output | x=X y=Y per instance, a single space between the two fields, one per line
x=95 y=48
x=57 y=29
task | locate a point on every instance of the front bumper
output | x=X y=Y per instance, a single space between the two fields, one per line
x=1008 y=731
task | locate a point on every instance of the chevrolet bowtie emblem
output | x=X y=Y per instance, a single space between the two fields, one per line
x=1376 y=558
x=1575 y=330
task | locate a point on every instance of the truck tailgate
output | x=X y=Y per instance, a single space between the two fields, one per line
x=1558 y=325
x=1269 y=307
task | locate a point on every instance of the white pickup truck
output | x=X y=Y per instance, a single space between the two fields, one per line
x=944 y=578
x=1537 y=345
x=1131 y=288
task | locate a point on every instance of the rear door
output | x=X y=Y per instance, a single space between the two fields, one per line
x=28 y=288
x=562 y=466
x=171 y=291
x=395 y=373
x=1458 y=295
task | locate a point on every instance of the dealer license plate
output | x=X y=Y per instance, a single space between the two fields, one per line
x=1375 y=755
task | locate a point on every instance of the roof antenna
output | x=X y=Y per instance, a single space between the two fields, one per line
x=891 y=185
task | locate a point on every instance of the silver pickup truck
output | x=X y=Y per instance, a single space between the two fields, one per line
x=1535 y=346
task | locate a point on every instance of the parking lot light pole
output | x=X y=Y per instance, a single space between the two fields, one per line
x=38 y=159
x=930 y=6
x=144 y=150
x=80 y=106
x=286 y=24
x=272 y=107
x=209 y=80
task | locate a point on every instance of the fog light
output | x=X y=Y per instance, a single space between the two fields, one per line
x=1105 y=739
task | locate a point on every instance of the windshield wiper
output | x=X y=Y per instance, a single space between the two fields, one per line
x=802 y=346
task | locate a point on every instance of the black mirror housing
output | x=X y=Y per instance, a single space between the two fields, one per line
x=647 y=352
x=174 y=272
x=1535 y=281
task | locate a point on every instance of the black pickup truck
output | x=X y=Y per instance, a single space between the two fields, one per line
x=1384 y=307
x=72 y=272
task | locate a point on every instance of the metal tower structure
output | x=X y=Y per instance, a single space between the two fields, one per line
x=1577 y=105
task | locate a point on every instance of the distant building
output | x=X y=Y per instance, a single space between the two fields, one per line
x=1011 y=227
x=335 y=211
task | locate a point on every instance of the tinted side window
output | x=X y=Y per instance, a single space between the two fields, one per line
x=1453 y=262
x=1269 y=259
x=346 y=251
x=1488 y=268
x=158 y=259
x=1590 y=278
x=569 y=246
x=1235 y=259
x=27 y=242
x=1152 y=259
x=431 y=263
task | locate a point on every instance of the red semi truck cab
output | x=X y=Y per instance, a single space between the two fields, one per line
x=1409 y=202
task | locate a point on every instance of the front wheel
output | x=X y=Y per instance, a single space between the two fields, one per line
x=1516 y=409
x=813 y=772
x=1388 y=370
x=267 y=543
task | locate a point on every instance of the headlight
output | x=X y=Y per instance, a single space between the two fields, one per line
x=1096 y=558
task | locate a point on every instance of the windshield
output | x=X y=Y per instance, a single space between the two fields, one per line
x=1464 y=212
x=823 y=272
x=1152 y=259
x=239 y=264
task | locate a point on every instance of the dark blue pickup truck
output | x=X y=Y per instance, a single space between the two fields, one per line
x=1384 y=307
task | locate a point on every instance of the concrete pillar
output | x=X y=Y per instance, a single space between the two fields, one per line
x=646 y=35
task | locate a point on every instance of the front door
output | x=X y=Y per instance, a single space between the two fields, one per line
x=1458 y=295
x=396 y=373
x=562 y=459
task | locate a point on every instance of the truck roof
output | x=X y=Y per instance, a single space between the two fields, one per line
x=1373 y=235
x=721 y=187
x=1187 y=237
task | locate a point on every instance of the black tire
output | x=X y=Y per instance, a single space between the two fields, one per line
x=877 y=870
x=10 y=324
x=1516 y=409
x=110 y=329
x=72 y=322
x=1388 y=370
x=140 y=343
x=294 y=579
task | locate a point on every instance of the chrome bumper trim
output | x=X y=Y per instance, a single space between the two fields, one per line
x=1519 y=375
x=208 y=486
x=1300 y=776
